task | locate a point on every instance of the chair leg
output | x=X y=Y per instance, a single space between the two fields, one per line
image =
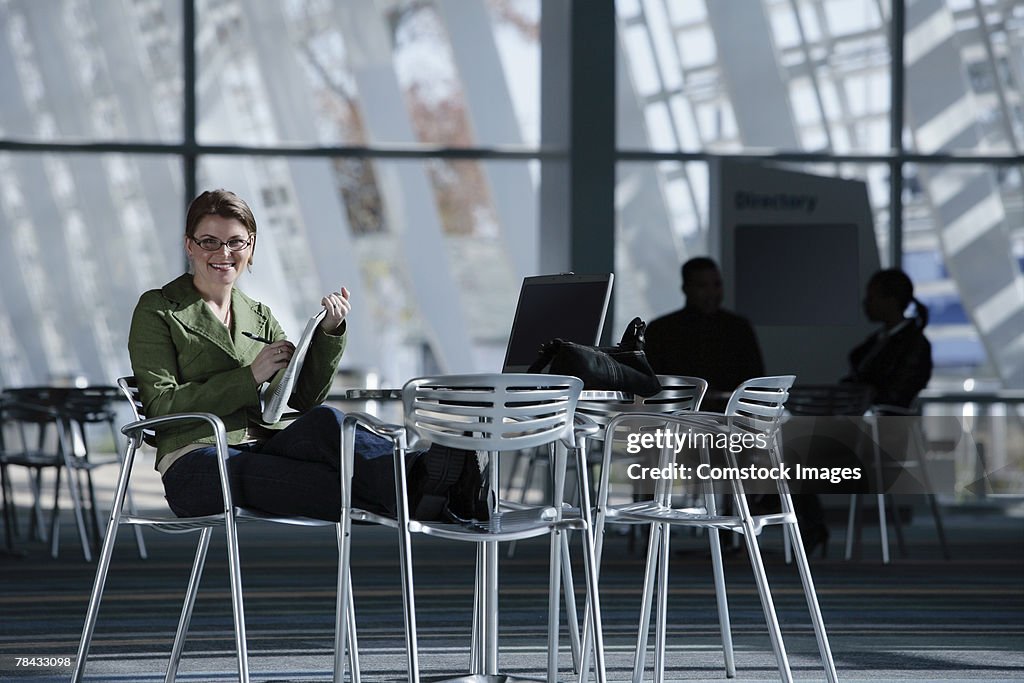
x=235 y=573
x=880 y=495
x=91 y=488
x=571 y=616
x=883 y=528
x=342 y=601
x=36 y=529
x=793 y=530
x=640 y=654
x=933 y=503
x=583 y=669
x=851 y=526
x=490 y=612
x=139 y=540
x=718 y=571
x=102 y=567
x=66 y=449
x=186 y=608
x=345 y=618
x=593 y=602
x=476 y=654
x=721 y=598
x=590 y=563
x=764 y=592
x=7 y=505
x=661 y=624
x=409 y=601
x=554 y=598
x=353 y=641
x=54 y=532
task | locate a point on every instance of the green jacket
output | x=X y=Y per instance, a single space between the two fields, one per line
x=185 y=360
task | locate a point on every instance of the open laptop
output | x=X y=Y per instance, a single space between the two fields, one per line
x=565 y=306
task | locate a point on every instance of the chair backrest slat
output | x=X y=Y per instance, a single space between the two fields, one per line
x=829 y=399
x=130 y=388
x=491 y=412
x=678 y=393
x=758 y=404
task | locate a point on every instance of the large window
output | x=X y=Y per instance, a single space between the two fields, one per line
x=388 y=147
x=396 y=147
x=809 y=83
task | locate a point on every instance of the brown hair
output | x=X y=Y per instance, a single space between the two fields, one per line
x=225 y=204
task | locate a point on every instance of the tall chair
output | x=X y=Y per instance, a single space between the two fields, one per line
x=916 y=448
x=678 y=394
x=491 y=415
x=849 y=401
x=755 y=409
x=854 y=400
x=82 y=408
x=6 y=491
x=41 y=441
x=141 y=431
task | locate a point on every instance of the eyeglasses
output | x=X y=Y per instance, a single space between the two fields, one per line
x=214 y=244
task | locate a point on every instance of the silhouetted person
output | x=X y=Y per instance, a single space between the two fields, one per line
x=702 y=339
x=895 y=361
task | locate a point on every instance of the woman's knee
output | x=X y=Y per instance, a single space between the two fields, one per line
x=327 y=415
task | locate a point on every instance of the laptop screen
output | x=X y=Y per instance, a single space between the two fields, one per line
x=567 y=306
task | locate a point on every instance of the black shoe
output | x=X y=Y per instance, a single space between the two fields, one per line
x=468 y=498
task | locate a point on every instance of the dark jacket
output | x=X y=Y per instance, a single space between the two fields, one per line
x=897 y=366
x=185 y=360
x=722 y=347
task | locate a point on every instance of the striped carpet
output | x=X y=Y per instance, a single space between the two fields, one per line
x=921 y=618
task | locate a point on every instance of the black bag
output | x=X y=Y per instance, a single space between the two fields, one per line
x=611 y=368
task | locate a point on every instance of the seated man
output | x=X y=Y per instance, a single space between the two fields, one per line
x=703 y=339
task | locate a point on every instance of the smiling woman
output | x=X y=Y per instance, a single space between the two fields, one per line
x=199 y=344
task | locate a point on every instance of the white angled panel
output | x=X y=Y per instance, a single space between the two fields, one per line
x=973 y=223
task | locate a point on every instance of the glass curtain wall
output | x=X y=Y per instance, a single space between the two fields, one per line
x=389 y=147
x=807 y=83
x=394 y=147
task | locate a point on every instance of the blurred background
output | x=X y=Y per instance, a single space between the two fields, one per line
x=429 y=154
x=401 y=147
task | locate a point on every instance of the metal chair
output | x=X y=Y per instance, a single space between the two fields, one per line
x=43 y=442
x=754 y=409
x=916 y=449
x=6 y=492
x=679 y=394
x=854 y=400
x=141 y=431
x=828 y=401
x=83 y=407
x=487 y=414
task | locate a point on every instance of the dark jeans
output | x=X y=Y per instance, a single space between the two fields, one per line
x=295 y=472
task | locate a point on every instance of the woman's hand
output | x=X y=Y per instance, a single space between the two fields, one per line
x=337 y=306
x=271 y=359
